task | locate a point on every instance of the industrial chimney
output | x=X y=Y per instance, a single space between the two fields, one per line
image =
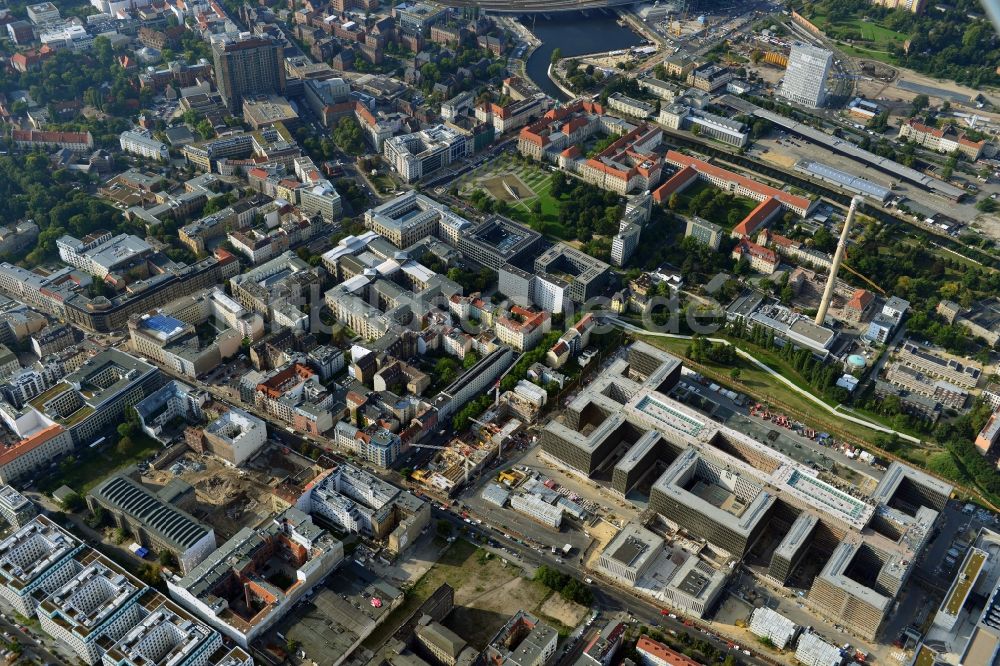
x=838 y=256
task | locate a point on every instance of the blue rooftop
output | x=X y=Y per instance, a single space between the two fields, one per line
x=163 y=324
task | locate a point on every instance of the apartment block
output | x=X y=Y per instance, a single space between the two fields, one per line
x=227 y=590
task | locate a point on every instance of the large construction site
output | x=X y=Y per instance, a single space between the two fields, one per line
x=230 y=498
x=466 y=455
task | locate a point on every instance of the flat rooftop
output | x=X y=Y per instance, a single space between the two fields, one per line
x=964 y=581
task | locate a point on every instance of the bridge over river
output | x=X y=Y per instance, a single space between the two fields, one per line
x=536 y=6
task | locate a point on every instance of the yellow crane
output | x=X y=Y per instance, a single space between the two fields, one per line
x=867 y=281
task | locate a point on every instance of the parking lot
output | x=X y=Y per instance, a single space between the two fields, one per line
x=338 y=615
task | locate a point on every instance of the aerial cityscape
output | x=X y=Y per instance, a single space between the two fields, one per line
x=499 y=333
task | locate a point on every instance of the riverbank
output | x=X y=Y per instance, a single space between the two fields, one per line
x=559 y=84
x=574 y=35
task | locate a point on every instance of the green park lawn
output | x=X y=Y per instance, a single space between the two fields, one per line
x=91 y=466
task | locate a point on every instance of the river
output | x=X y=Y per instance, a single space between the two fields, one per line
x=574 y=34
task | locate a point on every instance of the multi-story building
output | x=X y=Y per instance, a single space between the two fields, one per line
x=946 y=140
x=51 y=340
x=374 y=444
x=34 y=452
x=66 y=35
x=630 y=106
x=679 y=65
x=805 y=76
x=42 y=13
x=111 y=254
x=268 y=110
x=9 y=364
x=153 y=519
x=142 y=143
x=171 y=401
x=709 y=77
x=362 y=503
x=296 y=395
x=235 y=436
x=416 y=155
x=796 y=250
x=78 y=142
x=411 y=217
x=247 y=66
x=716 y=127
x=762 y=259
x=772 y=200
x=653 y=653
x=167 y=634
x=103 y=314
x=278 y=289
x=625 y=242
x=523 y=641
x=228 y=591
x=627 y=165
x=15 y=508
x=177 y=344
x=537 y=509
x=444 y=644
x=586 y=276
x=96 y=396
x=988 y=436
x=964 y=375
x=912 y=6
x=571 y=343
x=629 y=555
x=726 y=489
x=513 y=115
x=35 y=559
x=98 y=605
x=914 y=381
x=991 y=395
x=667 y=91
x=522 y=329
x=914 y=404
x=416 y=18
x=703 y=231
x=97 y=609
x=474 y=381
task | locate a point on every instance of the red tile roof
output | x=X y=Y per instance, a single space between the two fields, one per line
x=860 y=301
x=750 y=184
x=758 y=216
x=662 y=653
x=675 y=183
x=36 y=136
x=30 y=443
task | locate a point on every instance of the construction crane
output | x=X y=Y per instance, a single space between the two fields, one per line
x=467 y=463
x=867 y=281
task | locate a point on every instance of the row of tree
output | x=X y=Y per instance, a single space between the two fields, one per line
x=569 y=588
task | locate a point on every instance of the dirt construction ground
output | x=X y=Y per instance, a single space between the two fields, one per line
x=487 y=592
x=228 y=499
x=492 y=591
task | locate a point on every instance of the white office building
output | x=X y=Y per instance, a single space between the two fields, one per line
x=805 y=76
x=537 y=509
x=421 y=153
x=142 y=143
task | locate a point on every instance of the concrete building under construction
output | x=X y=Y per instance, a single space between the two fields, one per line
x=743 y=500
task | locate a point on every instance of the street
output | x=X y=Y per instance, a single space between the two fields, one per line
x=606 y=596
